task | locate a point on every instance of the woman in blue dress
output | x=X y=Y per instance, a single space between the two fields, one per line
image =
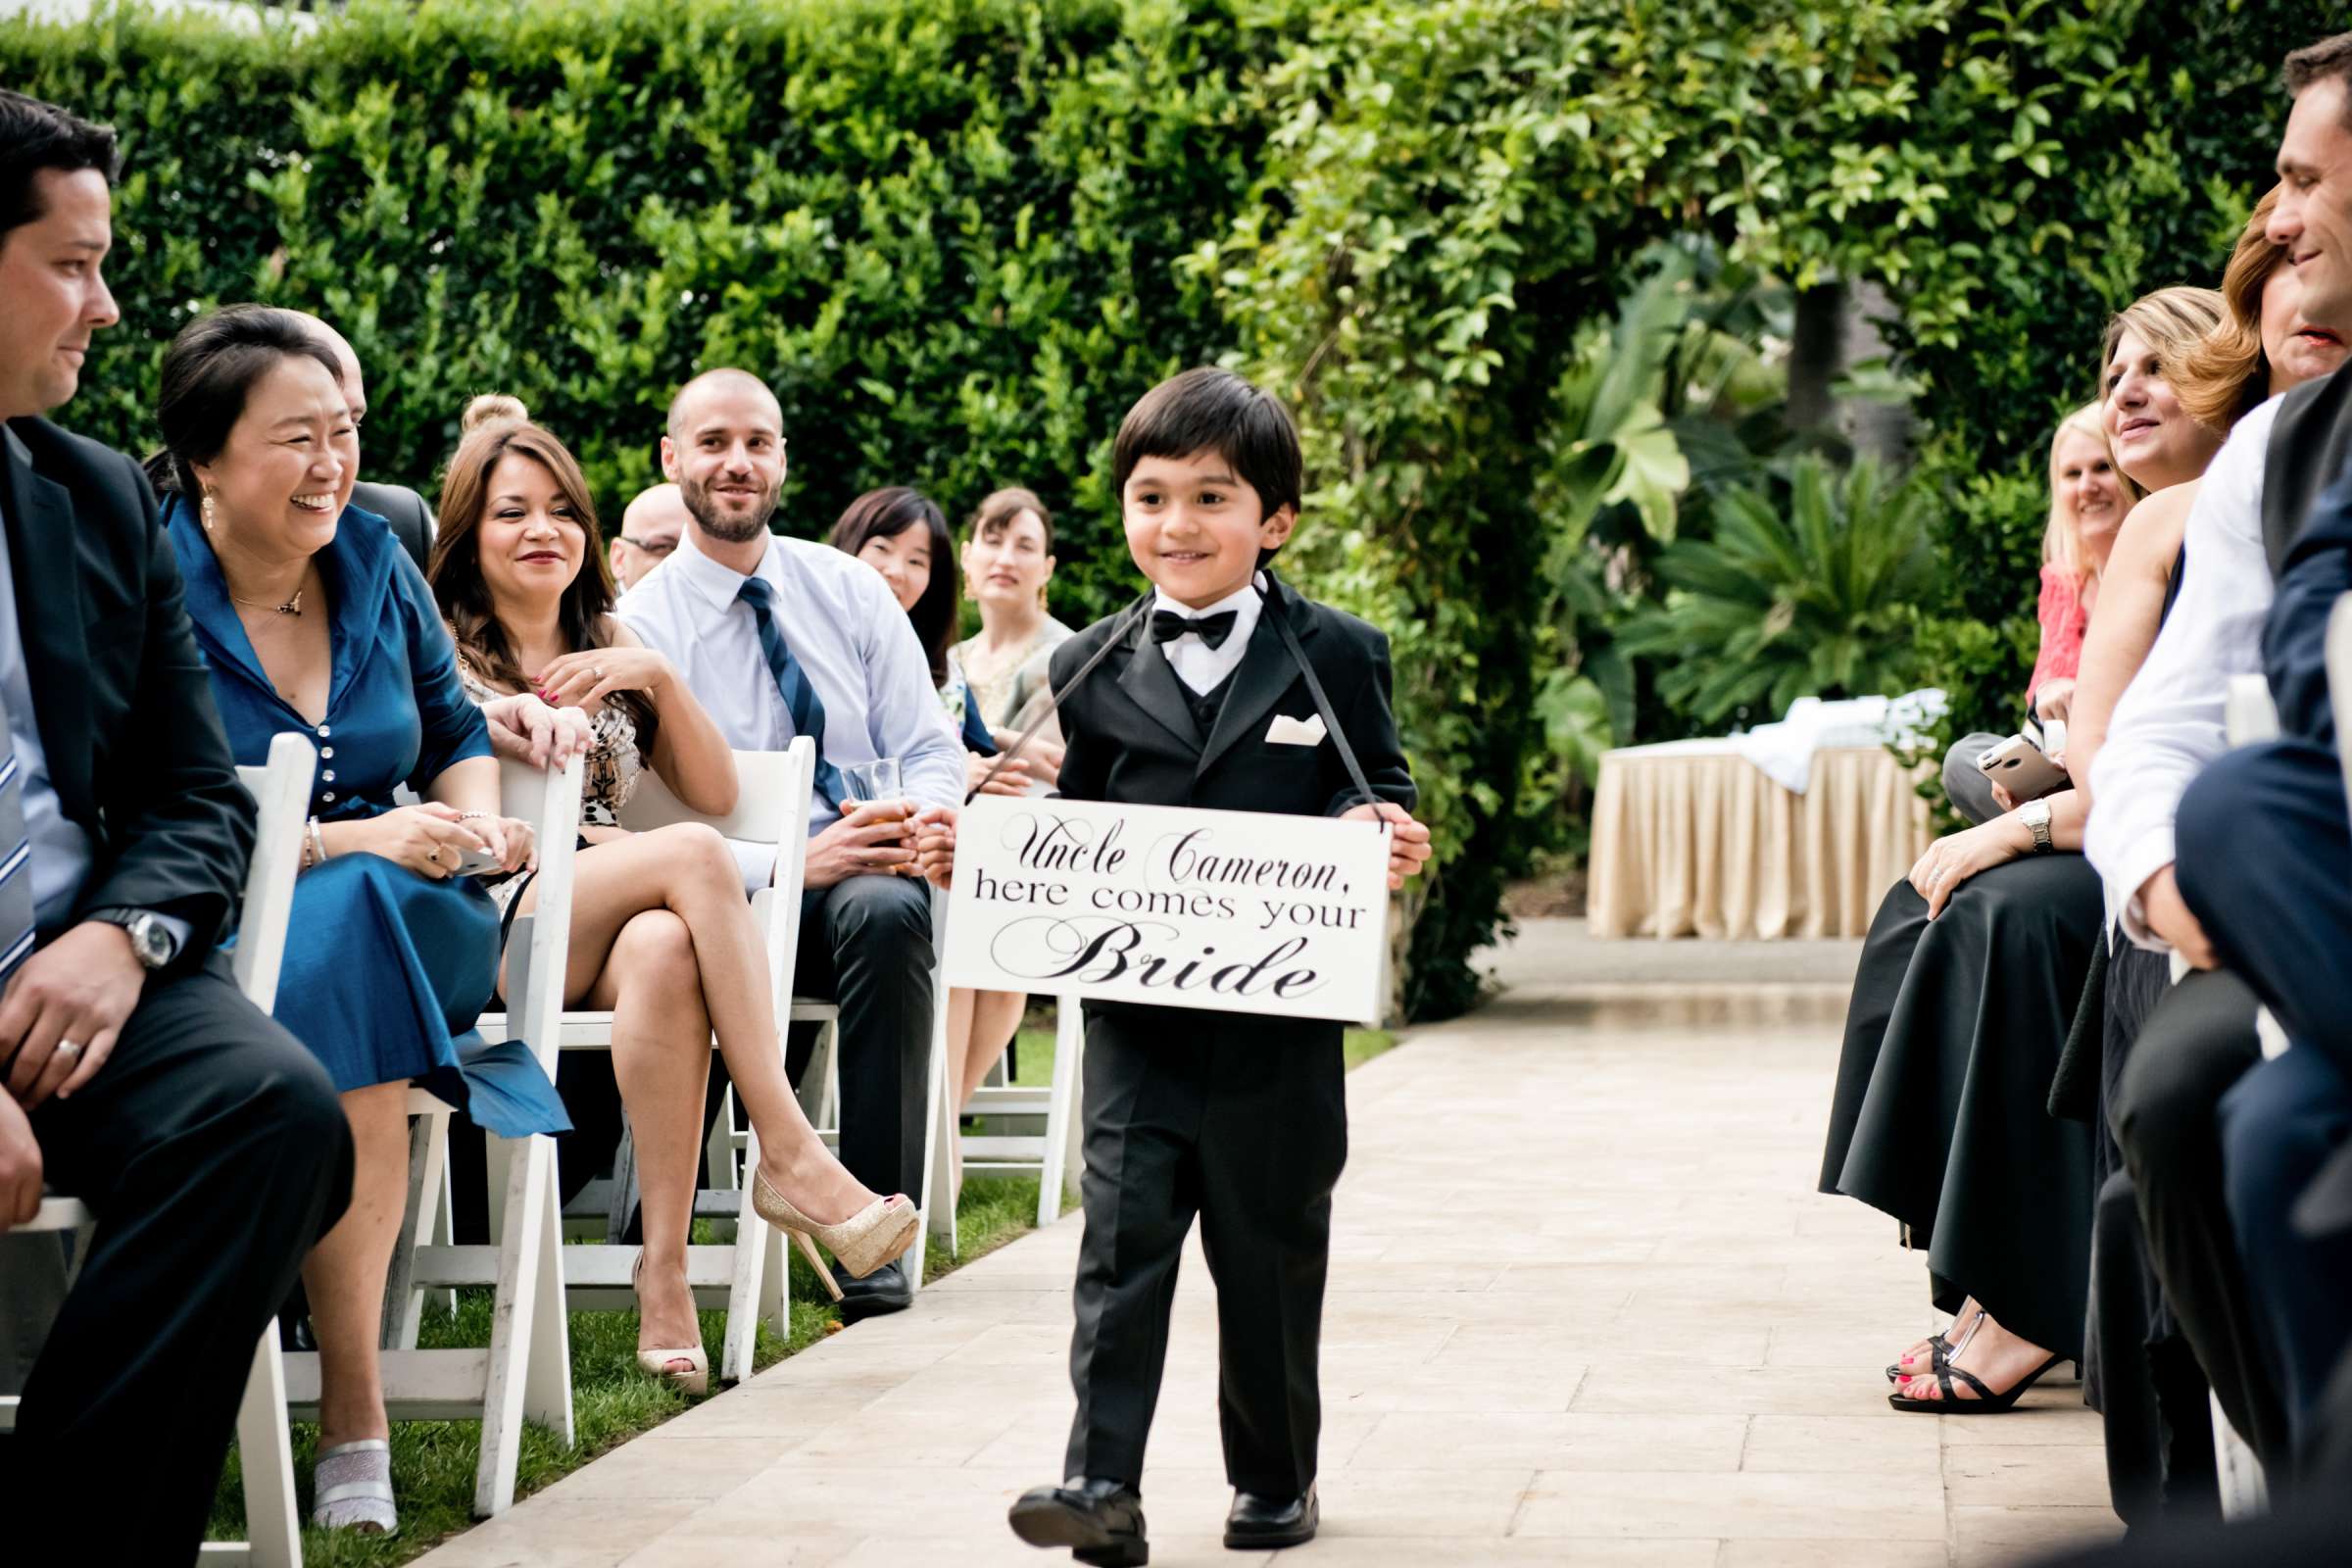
x=313 y=621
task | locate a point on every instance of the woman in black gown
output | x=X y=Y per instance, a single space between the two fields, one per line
x=1970 y=974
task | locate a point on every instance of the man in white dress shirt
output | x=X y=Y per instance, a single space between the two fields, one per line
x=780 y=637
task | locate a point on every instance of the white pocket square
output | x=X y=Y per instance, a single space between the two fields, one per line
x=1289 y=732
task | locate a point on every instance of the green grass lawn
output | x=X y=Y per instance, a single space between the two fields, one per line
x=434 y=1461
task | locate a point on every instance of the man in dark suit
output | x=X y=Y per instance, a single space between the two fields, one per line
x=207 y=1142
x=409 y=514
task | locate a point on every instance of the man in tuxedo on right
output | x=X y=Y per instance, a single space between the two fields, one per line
x=206 y=1140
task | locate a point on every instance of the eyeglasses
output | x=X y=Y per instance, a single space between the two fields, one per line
x=652 y=547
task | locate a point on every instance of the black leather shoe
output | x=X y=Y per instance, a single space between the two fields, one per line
x=1261 y=1524
x=887 y=1289
x=1101 y=1521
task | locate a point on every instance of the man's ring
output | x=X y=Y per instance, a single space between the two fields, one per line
x=68 y=1049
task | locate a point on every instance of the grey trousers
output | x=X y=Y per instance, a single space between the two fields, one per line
x=1970 y=790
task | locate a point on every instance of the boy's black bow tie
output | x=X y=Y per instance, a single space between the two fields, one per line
x=1167 y=626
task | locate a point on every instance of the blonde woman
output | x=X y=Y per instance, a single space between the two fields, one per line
x=2089 y=495
x=2263 y=346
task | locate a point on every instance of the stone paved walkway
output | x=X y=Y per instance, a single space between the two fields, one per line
x=1585 y=1308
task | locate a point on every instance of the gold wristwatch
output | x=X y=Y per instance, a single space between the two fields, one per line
x=2036 y=814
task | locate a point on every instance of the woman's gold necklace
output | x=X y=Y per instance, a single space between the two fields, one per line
x=292 y=607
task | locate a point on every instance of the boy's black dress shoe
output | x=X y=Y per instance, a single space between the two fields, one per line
x=1259 y=1523
x=1101 y=1521
x=885 y=1289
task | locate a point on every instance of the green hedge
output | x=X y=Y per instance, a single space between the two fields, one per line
x=960 y=236
x=940 y=231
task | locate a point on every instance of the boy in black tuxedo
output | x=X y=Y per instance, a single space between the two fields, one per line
x=1239 y=1118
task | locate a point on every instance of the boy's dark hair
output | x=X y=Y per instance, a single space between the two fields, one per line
x=1209 y=408
x=2318 y=61
x=34 y=136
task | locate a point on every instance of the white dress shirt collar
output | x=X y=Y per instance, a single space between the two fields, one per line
x=709 y=581
x=1200 y=667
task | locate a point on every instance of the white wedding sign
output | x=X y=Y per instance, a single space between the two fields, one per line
x=1237 y=912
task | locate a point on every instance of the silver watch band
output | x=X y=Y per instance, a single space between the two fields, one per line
x=2036 y=814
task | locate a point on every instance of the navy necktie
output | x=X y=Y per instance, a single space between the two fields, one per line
x=799 y=697
x=1212 y=630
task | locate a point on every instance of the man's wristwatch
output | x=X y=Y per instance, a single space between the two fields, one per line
x=151 y=941
x=2036 y=814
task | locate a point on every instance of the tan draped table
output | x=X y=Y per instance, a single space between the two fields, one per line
x=1692 y=839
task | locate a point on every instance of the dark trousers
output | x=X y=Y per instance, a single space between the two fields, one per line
x=2152 y=1397
x=866 y=945
x=213 y=1152
x=1243 y=1121
x=1968 y=786
x=2167 y=1120
x=2282 y=1122
x=2266 y=864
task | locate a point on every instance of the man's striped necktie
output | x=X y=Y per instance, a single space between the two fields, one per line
x=799 y=697
x=16 y=868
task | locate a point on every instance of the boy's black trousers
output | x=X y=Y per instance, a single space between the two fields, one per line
x=1244 y=1121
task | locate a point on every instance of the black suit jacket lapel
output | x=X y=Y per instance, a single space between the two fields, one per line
x=1266 y=672
x=45 y=562
x=1149 y=682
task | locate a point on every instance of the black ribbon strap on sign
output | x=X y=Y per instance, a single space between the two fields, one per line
x=1276 y=610
x=1118 y=634
x=1314 y=689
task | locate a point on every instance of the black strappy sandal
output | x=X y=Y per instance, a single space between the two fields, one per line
x=1939 y=1348
x=1986 y=1403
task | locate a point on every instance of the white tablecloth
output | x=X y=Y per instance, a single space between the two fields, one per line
x=1691 y=839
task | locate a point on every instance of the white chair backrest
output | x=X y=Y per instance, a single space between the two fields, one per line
x=2248 y=716
x=764 y=812
x=536 y=996
x=2340 y=679
x=281 y=789
x=772 y=791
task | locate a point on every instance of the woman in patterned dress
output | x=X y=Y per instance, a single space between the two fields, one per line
x=662 y=935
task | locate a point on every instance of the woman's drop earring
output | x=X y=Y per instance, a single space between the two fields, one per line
x=207 y=510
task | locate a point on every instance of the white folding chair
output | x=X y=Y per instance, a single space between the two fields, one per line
x=527 y=1370
x=281 y=789
x=747 y=1275
x=1054 y=1151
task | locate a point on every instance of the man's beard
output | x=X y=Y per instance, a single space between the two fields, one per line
x=727 y=530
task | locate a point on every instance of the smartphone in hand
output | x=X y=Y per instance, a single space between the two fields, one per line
x=2019 y=766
